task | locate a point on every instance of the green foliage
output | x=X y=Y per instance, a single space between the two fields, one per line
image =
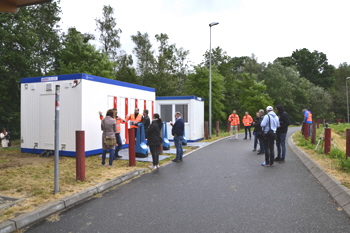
x=337 y=154
x=198 y=84
x=314 y=67
x=78 y=56
x=251 y=94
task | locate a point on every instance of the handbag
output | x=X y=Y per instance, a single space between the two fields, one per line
x=110 y=141
x=270 y=134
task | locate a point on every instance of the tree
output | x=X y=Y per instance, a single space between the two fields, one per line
x=27 y=41
x=126 y=72
x=198 y=84
x=314 y=67
x=338 y=92
x=109 y=36
x=145 y=56
x=78 y=56
x=251 y=94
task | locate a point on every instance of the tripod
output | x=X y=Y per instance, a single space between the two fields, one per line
x=321 y=139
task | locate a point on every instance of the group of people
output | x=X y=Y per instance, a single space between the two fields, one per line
x=111 y=124
x=268 y=128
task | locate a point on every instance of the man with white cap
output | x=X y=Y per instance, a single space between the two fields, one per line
x=270 y=123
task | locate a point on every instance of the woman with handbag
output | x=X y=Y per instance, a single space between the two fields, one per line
x=108 y=126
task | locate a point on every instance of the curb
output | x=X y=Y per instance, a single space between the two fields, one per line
x=336 y=190
x=34 y=216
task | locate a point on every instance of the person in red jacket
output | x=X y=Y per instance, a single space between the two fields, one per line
x=234 y=122
x=247 y=122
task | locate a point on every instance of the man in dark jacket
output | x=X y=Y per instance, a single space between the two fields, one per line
x=281 y=133
x=178 y=132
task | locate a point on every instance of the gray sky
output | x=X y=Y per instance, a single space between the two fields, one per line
x=269 y=28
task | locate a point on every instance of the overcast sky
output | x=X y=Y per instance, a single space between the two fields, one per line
x=269 y=28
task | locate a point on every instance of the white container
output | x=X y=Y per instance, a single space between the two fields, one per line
x=82 y=96
x=192 y=110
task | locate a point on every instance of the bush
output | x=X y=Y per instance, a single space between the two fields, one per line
x=337 y=154
x=345 y=164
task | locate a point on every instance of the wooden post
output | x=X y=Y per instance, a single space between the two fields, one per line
x=80 y=154
x=327 y=140
x=132 y=153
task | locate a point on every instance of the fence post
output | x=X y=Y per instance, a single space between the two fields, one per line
x=327 y=140
x=132 y=153
x=217 y=129
x=80 y=154
x=313 y=135
x=206 y=130
x=347 y=143
x=306 y=131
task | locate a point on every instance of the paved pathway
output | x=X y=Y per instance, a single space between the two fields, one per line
x=219 y=188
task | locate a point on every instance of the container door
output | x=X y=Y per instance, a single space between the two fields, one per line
x=47 y=122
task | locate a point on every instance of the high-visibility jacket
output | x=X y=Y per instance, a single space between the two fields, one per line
x=134 y=120
x=234 y=119
x=247 y=120
x=307 y=117
x=118 y=121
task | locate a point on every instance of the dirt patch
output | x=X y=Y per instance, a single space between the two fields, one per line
x=20 y=160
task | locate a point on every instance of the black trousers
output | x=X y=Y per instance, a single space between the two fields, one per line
x=269 y=146
x=155 y=154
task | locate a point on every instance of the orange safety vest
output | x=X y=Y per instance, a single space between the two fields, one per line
x=247 y=120
x=234 y=119
x=119 y=121
x=132 y=118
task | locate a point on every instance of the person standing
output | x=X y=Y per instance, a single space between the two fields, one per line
x=5 y=138
x=119 y=145
x=260 y=133
x=270 y=123
x=281 y=134
x=108 y=126
x=234 y=122
x=308 y=119
x=145 y=121
x=134 y=118
x=178 y=132
x=154 y=139
x=247 y=122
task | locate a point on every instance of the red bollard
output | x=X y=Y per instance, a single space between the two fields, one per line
x=313 y=135
x=347 y=143
x=132 y=152
x=327 y=140
x=306 y=131
x=228 y=126
x=206 y=130
x=80 y=154
x=318 y=123
x=217 y=129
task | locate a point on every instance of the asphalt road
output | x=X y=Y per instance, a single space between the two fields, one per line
x=221 y=187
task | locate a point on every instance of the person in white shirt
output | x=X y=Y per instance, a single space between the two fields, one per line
x=270 y=123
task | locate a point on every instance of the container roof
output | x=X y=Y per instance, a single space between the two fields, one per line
x=11 y=6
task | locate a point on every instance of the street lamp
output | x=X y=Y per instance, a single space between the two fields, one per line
x=347 y=97
x=210 y=126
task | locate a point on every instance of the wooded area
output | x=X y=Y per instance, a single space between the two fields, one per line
x=32 y=45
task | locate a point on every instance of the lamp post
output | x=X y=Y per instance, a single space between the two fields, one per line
x=347 y=97
x=210 y=121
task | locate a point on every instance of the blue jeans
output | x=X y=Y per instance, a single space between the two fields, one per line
x=111 y=157
x=119 y=142
x=262 y=146
x=246 y=130
x=281 y=145
x=178 y=145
